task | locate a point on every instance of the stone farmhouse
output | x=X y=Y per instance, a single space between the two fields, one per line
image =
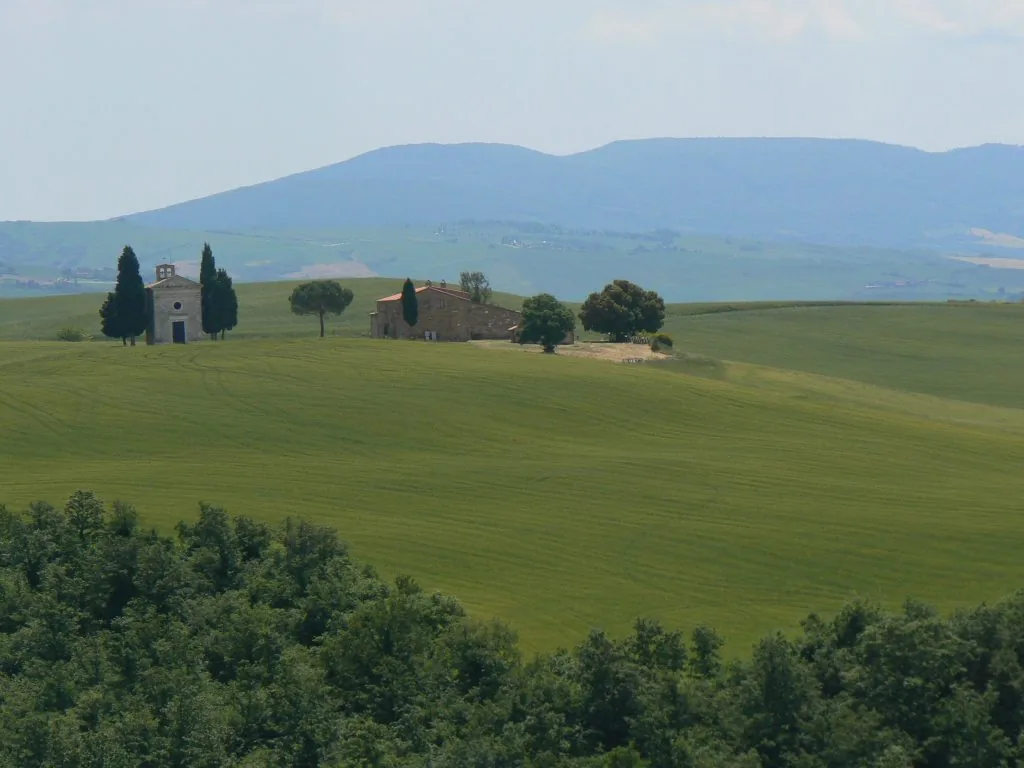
x=446 y=314
x=175 y=308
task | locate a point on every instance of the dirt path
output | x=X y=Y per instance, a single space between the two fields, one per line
x=615 y=353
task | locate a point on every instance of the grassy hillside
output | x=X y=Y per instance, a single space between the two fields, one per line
x=557 y=493
x=972 y=352
x=969 y=352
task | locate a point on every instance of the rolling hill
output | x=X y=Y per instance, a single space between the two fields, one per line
x=847 y=450
x=964 y=352
x=838 y=192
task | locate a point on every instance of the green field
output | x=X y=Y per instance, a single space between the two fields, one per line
x=972 y=352
x=850 y=450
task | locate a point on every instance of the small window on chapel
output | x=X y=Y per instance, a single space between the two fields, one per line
x=177 y=306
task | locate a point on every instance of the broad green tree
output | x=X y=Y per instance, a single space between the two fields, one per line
x=124 y=313
x=706 y=659
x=235 y=642
x=320 y=298
x=546 y=321
x=623 y=309
x=208 y=283
x=477 y=286
x=410 y=304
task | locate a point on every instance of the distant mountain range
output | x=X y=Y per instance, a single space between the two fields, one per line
x=696 y=219
x=838 y=192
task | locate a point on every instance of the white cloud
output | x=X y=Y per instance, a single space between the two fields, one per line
x=926 y=15
x=607 y=26
x=14 y=13
x=839 y=21
x=772 y=20
x=41 y=11
x=967 y=17
x=786 y=20
x=630 y=21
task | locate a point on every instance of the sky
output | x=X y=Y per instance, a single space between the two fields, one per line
x=108 y=107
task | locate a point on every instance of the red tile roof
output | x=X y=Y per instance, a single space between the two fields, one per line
x=447 y=291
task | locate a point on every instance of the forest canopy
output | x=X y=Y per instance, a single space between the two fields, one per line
x=235 y=643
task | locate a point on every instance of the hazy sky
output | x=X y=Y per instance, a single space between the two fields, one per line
x=113 y=106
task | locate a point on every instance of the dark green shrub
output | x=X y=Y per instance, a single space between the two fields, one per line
x=73 y=334
x=660 y=341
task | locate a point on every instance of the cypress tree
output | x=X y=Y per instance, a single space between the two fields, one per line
x=226 y=302
x=109 y=321
x=208 y=285
x=410 y=304
x=128 y=301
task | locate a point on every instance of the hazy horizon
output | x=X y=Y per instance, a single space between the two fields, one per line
x=130 y=106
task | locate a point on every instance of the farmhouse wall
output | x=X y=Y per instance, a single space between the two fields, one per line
x=445 y=313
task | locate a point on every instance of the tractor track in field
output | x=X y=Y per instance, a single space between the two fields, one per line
x=242 y=404
x=213 y=382
x=39 y=415
x=212 y=379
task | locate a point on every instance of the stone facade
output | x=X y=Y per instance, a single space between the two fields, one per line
x=445 y=314
x=175 y=308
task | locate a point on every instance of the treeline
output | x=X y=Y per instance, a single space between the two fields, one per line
x=236 y=644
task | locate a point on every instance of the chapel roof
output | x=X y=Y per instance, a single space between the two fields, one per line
x=174 y=281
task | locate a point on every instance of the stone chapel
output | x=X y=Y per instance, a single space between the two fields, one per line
x=175 y=308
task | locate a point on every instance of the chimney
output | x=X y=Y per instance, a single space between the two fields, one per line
x=163 y=271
